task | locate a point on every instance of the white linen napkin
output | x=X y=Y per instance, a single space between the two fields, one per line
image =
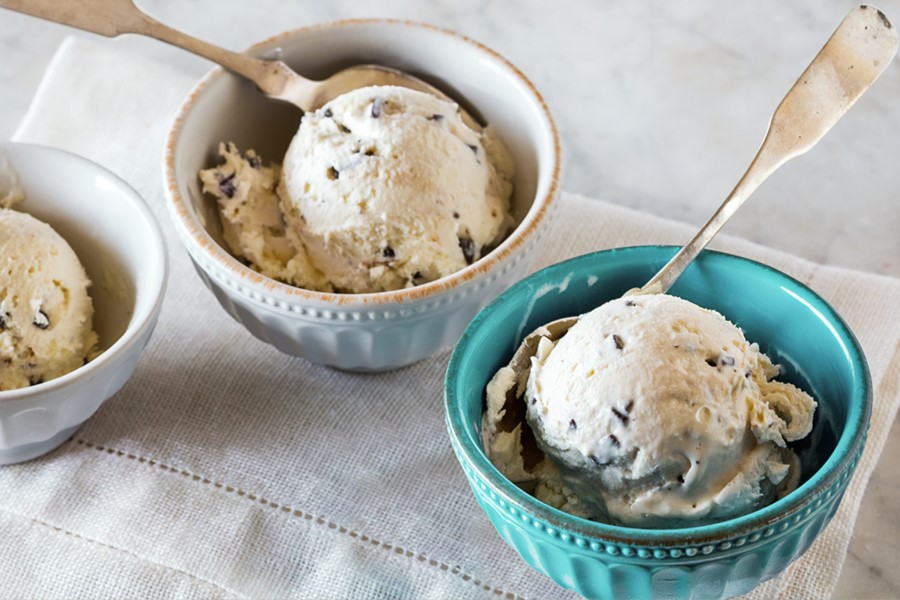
x=226 y=469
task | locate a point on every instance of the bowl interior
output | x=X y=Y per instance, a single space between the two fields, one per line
x=107 y=225
x=227 y=108
x=791 y=324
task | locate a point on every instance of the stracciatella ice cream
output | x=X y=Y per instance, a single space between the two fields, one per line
x=46 y=314
x=383 y=188
x=652 y=412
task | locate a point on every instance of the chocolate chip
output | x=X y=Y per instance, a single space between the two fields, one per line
x=712 y=362
x=436 y=117
x=621 y=416
x=533 y=401
x=226 y=185
x=573 y=424
x=680 y=479
x=618 y=341
x=473 y=148
x=455 y=215
x=328 y=114
x=726 y=360
x=332 y=173
x=343 y=127
x=370 y=152
x=629 y=406
x=613 y=440
x=41 y=320
x=597 y=462
x=388 y=252
x=468 y=248
x=630 y=303
x=377 y=106
x=747 y=374
x=253 y=161
x=35 y=380
x=4 y=320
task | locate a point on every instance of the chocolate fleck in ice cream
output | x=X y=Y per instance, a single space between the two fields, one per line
x=650 y=412
x=382 y=188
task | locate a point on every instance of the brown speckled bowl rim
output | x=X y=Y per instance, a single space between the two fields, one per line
x=536 y=214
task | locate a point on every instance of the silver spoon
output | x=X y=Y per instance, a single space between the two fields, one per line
x=273 y=77
x=859 y=50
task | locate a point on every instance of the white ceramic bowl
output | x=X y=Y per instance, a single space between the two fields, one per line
x=120 y=245
x=360 y=331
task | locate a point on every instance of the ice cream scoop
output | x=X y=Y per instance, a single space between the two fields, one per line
x=387 y=188
x=859 y=50
x=381 y=189
x=658 y=412
x=273 y=77
x=46 y=326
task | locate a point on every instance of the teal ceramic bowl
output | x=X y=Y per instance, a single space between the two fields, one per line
x=792 y=324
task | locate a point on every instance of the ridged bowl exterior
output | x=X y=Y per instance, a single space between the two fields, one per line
x=598 y=568
x=372 y=338
x=792 y=325
x=29 y=427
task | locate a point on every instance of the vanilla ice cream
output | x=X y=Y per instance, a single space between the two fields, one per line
x=46 y=327
x=383 y=188
x=252 y=222
x=653 y=412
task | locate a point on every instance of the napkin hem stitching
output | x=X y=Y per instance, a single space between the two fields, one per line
x=257 y=499
x=131 y=553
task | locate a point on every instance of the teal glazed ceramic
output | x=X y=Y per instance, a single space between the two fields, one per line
x=791 y=324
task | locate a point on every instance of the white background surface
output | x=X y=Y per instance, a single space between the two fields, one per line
x=660 y=107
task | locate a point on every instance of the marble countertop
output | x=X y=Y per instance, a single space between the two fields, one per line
x=660 y=107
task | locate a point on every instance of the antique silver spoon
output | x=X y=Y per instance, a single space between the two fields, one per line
x=273 y=77
x=859 y=50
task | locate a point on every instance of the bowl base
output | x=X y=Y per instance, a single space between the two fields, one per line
x=17 y=454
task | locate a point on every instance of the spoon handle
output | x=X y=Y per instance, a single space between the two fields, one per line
x=859 y=50
x=115 y=17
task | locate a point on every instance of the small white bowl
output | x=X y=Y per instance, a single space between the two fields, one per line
x=120 y=245
x=364 y=332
